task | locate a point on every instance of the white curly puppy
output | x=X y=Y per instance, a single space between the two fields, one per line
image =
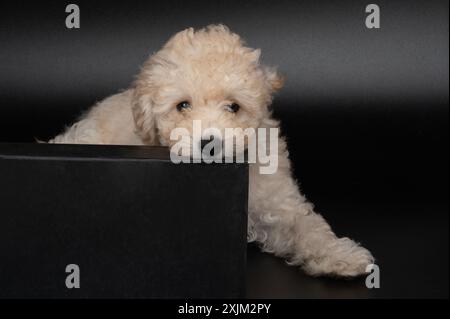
x=209 y=75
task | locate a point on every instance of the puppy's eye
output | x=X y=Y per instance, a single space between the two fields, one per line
x=183 y=106
x=233 y=107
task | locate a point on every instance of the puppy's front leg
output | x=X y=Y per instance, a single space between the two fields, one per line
x=285 y=224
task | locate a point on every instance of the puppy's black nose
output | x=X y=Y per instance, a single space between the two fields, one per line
x=203 y=142
x=215 y=146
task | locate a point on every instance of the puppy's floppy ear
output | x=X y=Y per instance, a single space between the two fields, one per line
x=142 y=108
x=146 y=87
x=274 y=79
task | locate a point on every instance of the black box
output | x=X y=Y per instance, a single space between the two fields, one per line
x=136 y=225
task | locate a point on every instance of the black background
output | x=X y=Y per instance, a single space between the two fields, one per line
x=365 y=111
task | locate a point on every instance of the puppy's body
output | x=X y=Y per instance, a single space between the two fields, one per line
x=109 y=122
x=210 y=69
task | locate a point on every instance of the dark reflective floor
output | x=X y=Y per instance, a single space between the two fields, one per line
x=412 y=253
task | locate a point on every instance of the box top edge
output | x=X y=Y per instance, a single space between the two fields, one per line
x=88 y=151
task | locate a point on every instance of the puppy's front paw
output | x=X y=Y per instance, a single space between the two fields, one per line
x=341 y=258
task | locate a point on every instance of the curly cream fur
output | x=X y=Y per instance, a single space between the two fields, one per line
x=212 y=67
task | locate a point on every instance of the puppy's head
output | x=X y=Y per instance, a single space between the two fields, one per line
x=207 y=75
